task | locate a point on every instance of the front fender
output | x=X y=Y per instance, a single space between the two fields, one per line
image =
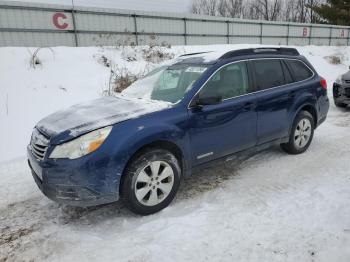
x=140 y=135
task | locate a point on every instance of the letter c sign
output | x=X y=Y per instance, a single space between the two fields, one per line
x=58 y=20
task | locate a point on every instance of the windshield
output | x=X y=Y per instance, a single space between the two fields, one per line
x=167 y=83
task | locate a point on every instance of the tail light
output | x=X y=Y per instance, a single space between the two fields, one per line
x=323 y=83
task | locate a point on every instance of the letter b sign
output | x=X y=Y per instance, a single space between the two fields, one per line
x=305 y=33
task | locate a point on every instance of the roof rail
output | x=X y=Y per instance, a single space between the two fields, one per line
x=198 y=53
x=263 y=50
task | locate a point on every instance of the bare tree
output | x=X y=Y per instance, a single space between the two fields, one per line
x=311 y=4
x=294 y=11
x=300 y=11
x=251 y=12
x=269 y=10
x=205 y=7
x=234 y=8
x=227 y=8
x=222 y=7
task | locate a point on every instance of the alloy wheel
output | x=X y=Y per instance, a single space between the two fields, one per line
x=154 y=183
x=302 y=133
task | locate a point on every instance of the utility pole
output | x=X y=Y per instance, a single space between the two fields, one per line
x=74 y=24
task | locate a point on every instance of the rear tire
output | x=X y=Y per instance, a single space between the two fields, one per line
x=151 y=181
x=301 y=134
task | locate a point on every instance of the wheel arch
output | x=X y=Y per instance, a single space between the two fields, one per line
x=308 y=107
x=159 y=144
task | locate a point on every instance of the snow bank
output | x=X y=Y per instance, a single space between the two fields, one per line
x=67 y=76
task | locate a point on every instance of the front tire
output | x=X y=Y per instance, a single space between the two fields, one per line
x=301 y=134
x=151 y=181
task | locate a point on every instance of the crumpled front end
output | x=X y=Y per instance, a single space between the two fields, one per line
x=87 y=181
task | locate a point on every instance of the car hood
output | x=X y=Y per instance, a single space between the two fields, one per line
x=82 y=118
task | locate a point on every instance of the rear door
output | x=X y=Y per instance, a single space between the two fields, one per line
x=274 y=95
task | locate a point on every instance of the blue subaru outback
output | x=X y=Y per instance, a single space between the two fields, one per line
x=203 y=107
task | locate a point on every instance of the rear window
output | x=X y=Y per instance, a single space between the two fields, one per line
x=268 y=73
x=299 y=70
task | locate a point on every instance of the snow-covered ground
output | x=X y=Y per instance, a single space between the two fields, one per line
x=258 y=207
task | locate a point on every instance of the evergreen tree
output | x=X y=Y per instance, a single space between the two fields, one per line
x=335 y=12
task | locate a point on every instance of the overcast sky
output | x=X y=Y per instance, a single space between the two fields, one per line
x=181 y=6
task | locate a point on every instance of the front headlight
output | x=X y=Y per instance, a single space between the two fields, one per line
x=81 y=146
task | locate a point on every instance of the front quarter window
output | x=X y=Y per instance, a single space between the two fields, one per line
x=167 y=83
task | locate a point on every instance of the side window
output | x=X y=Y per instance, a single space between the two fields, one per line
x=299 y=70
x=268 y=73
x=230 y=81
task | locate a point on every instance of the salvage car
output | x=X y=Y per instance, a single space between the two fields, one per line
x=341 y=90
x=203 y=107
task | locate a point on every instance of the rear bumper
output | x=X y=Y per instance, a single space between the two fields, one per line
x=72 y=185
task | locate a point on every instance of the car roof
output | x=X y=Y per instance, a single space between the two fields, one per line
x=212 y=57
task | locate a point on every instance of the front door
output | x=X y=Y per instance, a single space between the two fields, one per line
x=227 y=127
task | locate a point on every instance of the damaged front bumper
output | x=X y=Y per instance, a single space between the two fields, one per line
x=341 y=93
x=79 y=183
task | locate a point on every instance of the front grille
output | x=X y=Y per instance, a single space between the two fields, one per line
x=38 y=144
x=347 y=81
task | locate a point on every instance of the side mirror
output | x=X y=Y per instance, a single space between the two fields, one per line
x=208 y=100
